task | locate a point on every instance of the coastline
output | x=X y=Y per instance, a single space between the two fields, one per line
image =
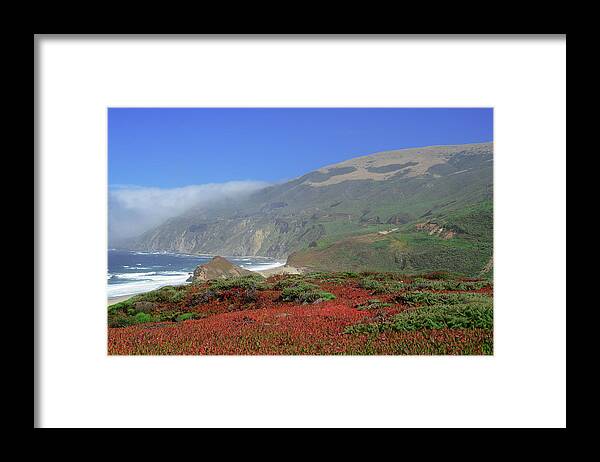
x=120 y=298
x=141 y=275
x=283 y=269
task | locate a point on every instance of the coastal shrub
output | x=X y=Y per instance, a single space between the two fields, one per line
x=372 y=304
x=421 y=283
x=436 y=275
x=382 y=276
x=369 y=328
x=288 y=281
x=143 y=306
x=123 y=306
x=204 y=296
x=433 y=298
x=142 y=317
x=382 y=287
x=319 y=275
x=119 y=320
x=240 y=282
x=249 y=296
x=167 y=294
x=333 y=277
x=472 y=285
x=465 y=316
x=370 y=284
x=488 y=346
x=303 y=292
x=348 y=274
x=185 y=316
x=167 y=316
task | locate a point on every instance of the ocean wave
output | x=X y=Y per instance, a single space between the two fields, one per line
x=146 y=283
x=134 y=278
x=149 y=276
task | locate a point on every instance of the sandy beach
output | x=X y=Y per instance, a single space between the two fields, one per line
x=113 y=300
x=279 y=270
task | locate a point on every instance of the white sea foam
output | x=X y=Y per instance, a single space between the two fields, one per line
x=151 y=277
x=143 y=282
x=263 y=266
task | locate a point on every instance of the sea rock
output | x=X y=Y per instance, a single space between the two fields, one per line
x=219 y=268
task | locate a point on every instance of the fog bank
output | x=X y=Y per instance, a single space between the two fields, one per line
x=133 y=210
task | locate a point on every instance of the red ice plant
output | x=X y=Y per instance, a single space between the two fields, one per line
x=268 y=326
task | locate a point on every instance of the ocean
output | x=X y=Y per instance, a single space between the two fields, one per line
x=131 y=272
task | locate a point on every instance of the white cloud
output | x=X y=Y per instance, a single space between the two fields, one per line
x=133 y=210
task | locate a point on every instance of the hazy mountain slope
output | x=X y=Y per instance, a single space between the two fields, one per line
x=357 y=196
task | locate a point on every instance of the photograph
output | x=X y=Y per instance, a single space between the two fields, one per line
x=275 y=230
x=300 y=231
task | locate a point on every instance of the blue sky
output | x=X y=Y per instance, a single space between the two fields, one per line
x=161 y=162
x=176 y=147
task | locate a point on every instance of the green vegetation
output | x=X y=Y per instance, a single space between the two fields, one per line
x=432 y=298
x=334 y=226
x=168 y=294
x=302 y=292
x=467 y=316
x=475 y=221
x=120 y=319
x=439 y=275
x=329 y=276
x=372 y=305
x=463 y=248
x=386 y=283
x=289 y=280
x=136 y=309
x=420 y=283
x=184 y=316
x=256 y=282
x=338 y=278
x=203 y=296
x=142 y=317
x=435 y=311
x=385 y=286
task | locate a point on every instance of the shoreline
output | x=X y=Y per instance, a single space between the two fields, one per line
x=119 y=299
x=283 y=269
x=270 y=267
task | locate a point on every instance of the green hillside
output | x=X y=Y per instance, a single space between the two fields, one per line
x=411 y=248
x=331 y=218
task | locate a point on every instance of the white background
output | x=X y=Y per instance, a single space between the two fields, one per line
x=523 y=384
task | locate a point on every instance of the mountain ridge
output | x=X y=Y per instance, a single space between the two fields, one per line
x=361 y=195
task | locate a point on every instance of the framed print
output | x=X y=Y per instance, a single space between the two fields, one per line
x=275 y=231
